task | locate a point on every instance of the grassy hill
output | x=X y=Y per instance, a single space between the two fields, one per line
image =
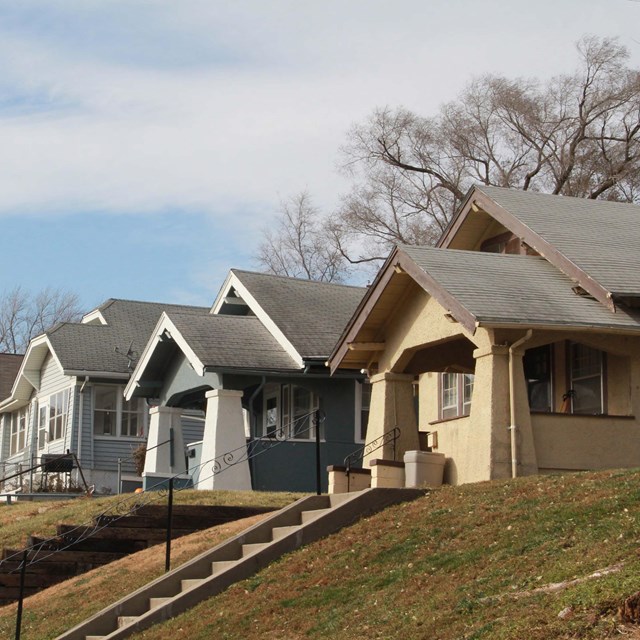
x=491 y=560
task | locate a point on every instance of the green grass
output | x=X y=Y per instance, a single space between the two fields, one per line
x=19 y=520
x=446 y=566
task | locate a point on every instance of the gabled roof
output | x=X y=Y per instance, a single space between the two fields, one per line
x=95 y=350
x=488 y=289
x=306 y=317
x=210 y=342
x=9 y=366
x=595 y=242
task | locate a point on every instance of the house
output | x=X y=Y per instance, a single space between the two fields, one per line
x=255 y=367
x=67 y=396
x=518 y=336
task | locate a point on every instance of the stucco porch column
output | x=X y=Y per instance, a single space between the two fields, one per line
x=168 y=458
x=392 y=405
x=224 y=434
x=488 y=449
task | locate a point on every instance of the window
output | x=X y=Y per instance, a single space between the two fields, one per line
x=586 y=368
x=42 y=426
x=58 y=404
x=114 y=416
x=18 y=430
x=363 y=402
x=296 y=419
x=537 y=373
x=456 y=390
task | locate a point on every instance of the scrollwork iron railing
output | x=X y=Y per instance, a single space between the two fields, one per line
x=300 y=427
x=390 y=436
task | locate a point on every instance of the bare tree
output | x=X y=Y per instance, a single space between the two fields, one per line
x=24 y=316
x=574 y=135
x=298 y=245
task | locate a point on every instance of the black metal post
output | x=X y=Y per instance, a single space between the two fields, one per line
x=316 y=420
x=23 y=570
x=167 y=560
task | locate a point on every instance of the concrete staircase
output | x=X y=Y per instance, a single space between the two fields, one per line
x=210 y=573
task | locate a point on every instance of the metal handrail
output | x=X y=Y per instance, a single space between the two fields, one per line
x=359 y=454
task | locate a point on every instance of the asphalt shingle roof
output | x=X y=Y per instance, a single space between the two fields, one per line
x=312 y=315
x=499 y=288
x=93 y=347
x=9 y=366
x=602 y=238
x=237 y=342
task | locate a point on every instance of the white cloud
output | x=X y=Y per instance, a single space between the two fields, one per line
x=218 y=105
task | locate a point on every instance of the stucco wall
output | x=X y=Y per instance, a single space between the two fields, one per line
x=573 y=442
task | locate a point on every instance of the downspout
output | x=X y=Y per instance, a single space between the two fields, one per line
x=512 y=402
x=253 y=424
x=80 y=416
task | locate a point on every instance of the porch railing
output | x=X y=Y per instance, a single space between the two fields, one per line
x=390 y=436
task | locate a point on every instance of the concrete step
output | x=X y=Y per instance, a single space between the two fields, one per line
x=189 y=584
x=249 y=549
x=123 y=621
x=221 y=565
x=309 y=516
x=280 y=532
x=157 y=602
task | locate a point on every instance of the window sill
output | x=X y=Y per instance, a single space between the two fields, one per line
x=126 y=438
x=307 y=440
x=444 y=420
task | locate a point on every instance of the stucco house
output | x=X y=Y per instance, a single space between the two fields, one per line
x=67 y=396
x=519 y=336
x=255 y=367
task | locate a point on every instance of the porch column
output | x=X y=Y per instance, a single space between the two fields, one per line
x=488 y=449
x=168 y=459
x=224 y=441
x=392 y=405
x=526 y=450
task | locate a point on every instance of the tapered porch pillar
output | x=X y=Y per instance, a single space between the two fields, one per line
x=224 y=443
x=488 y=450
x=165 y=445
x=392 y=405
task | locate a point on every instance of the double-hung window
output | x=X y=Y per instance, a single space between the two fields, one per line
x=587 y=373
x=58 y=406
x=18 y=430
x=114 y=416
x=456 y=390
x=288 y=412
x=363 y=403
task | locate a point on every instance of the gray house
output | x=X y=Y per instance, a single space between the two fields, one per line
x=255 y=367
x=67 y=396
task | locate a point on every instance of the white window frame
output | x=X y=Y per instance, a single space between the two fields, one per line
x=18 y=431
x=283 y=395
x=461 y=407
x=359 y=408
x=121 y=411
x=42 y=426
x=52 y=418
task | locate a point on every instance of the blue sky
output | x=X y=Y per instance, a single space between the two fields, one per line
x=144 y=145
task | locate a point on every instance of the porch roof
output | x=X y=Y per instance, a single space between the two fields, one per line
x=231 y=342
x=510 y=289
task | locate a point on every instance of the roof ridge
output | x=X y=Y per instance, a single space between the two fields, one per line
x=305 y=280
x=150 y=302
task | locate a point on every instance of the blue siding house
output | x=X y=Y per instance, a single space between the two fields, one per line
x=255 y=367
